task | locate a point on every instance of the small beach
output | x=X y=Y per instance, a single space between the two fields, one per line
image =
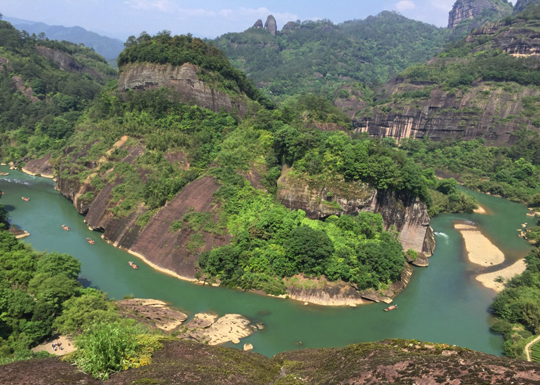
x=488 y=279
x=480 y=249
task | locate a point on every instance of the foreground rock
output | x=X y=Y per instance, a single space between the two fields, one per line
x=204 y=328
x=386 y=362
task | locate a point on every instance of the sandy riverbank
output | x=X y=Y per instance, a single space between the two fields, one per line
x=488 y=280
x=480 y=210
x=48 y=176
x=480 y=249
x=67 y=346
x=153 y=265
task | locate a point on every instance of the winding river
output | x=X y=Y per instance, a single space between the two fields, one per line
x=443 y=303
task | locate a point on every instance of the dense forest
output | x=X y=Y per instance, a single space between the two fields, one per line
x=319 y=56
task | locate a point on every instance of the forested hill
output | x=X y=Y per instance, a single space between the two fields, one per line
x=318 y=56
x=44 y=87
x=106 y=46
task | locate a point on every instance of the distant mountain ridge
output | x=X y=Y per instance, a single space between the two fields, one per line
x=106 y=46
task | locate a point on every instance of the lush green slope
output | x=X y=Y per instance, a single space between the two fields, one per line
x=44 y=88
x=320 y=56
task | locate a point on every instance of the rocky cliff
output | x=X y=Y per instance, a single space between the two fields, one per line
x=417 y=106
x=477 y=11
x=271 y=25
x=152 y=239
x=182 y=79
x=410 y=217
x=386 y=362
x=522 y=4
x=66 y=62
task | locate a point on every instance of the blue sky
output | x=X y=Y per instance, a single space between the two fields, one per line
x=209 y=18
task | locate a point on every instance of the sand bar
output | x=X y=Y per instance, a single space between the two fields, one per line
x=488 y=280
x=480 y=210
x=479 y=248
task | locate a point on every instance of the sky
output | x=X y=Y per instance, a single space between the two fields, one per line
x=209 y=18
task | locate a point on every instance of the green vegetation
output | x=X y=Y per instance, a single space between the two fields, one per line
x=319 y=56
x=49 y=101
x=178 y=50
x=512 y=173
x=40 y=296
x=517 y=308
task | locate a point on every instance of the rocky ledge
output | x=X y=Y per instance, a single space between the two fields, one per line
x=203 y=327
x=386 y=362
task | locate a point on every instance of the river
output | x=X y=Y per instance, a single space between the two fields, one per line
x=443 y=303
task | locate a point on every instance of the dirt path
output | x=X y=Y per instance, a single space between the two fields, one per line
x=529 y=345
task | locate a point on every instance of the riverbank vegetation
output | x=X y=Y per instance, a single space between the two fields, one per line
x=513 y=173
x=517 y=308
x=40 y=297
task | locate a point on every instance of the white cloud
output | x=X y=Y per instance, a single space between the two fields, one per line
x=405 y=5
x=443 y=5
x=160 y=5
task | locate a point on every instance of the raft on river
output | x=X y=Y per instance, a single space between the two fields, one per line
x=133 y=265
x=389 y=308
x=90 y=241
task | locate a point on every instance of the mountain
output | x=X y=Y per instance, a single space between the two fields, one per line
x=44 y=87
x=484 y=86
x=319 y=56
x=107 y=47
x=469 y=14
x=522 y=4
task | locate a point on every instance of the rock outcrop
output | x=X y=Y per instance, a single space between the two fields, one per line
x=181 y=79
x=522 y=4
x=42 y=167
x=410 y=217
x=473 y=9
x=386 y=362
x=290 y=26
x=66 y=62
x=154 y=241
x=271 y=25
x=493 y=110
x=258 y=24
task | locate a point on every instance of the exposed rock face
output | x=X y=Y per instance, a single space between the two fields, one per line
x=258 y=24
x=154 y=242
x=271 y=25
x=481 y=112
x=471 y=9
x=291 y=25
x=409 y=216
x=183 y=80
x=41 y=166
x=65 y=62
x=522 y=4
x=386 y=362
x=23 y=89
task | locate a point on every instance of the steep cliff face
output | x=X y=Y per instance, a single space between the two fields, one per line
x=410 y=217
x=522 y=4
x=184 y=80
x=271 y=25
x=153 y=239
x=483 y=111
x=477 y=9
x=418 y=106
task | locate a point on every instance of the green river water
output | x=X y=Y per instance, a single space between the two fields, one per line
x=443 y=303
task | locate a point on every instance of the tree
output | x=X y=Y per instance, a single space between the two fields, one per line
x=310 y=249
x=105 y=348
